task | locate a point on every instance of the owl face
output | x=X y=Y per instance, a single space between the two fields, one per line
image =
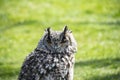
x=57 y=41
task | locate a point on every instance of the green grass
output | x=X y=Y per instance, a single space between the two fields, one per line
x=95 y=25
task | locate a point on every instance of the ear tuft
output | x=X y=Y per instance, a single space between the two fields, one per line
x=65 y=29
x=48 y=29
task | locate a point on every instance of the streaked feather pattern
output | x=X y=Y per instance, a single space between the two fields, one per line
x=51 y=60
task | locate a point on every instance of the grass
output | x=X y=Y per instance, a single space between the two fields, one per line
x=95 y=25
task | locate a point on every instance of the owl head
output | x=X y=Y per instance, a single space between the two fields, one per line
x=59 y=41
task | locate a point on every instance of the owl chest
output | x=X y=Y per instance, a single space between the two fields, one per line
x=58 y=65
x=58 y=61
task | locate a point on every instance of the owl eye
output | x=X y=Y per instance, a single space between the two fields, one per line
x=64 y=40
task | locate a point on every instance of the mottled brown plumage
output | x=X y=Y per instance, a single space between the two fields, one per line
x=53 y=58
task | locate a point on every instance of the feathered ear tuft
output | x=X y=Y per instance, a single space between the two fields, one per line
x=65 y=29
x=48 y=30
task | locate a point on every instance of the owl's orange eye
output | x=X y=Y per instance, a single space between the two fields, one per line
x=63 y=40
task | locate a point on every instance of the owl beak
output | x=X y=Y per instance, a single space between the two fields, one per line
x=56 y=47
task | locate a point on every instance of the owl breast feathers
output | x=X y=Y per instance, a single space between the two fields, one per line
x=53 y=58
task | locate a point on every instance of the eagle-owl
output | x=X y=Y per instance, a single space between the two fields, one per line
x=52 y=59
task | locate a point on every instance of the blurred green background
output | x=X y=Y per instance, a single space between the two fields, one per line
x=95 y=25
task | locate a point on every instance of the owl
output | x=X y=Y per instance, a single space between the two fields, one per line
x=52 y=59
